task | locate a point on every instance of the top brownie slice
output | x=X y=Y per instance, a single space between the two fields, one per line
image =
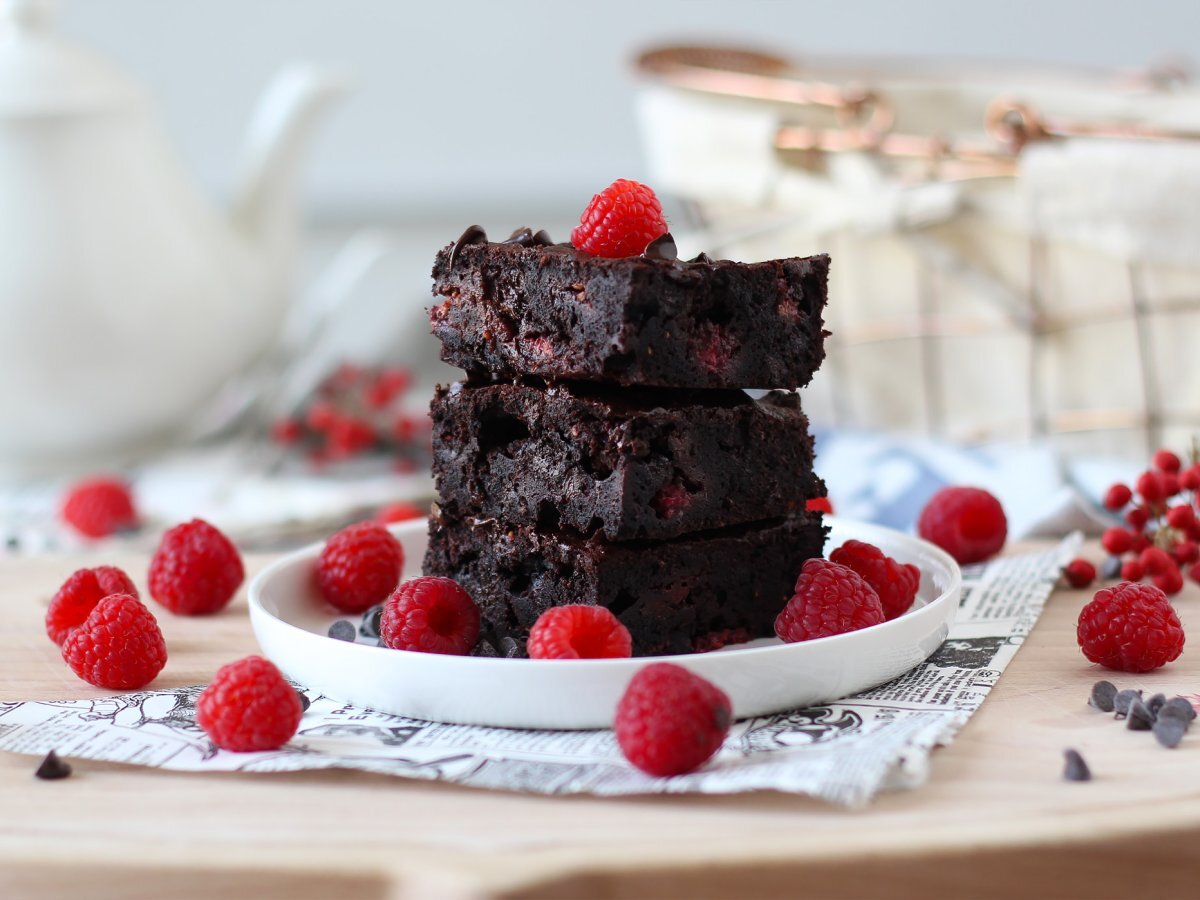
x=513 y=309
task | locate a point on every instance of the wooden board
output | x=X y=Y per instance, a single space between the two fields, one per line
x=996 y=818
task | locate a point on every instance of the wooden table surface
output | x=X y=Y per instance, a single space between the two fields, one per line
x=995 y=819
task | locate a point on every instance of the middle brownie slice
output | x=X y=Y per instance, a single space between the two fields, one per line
x=628 y=463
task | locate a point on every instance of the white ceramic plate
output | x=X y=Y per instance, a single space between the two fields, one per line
x=766 y=676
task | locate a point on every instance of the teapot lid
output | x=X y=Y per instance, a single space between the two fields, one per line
x=40 y=74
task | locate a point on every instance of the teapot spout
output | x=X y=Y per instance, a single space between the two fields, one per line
x=265 y=198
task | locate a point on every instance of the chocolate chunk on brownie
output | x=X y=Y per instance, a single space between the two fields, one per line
x=626 y=463
x=525 y=308
x=677 y=596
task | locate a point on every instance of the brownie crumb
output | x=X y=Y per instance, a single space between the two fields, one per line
x=52 y=768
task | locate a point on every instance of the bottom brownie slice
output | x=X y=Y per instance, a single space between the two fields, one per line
x=678 y=596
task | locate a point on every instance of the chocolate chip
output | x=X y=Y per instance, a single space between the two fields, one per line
x=701 y=257
x=542 y=239
x=1122 y=701
x=511 y=648
x=1155 y=703
x=305 y=703
x=473 y=235
x=1074 y=768
x=1111 y=567
x=1103 y=694
x=662 y=247
x=52 y=768
x=343 y=630
x=484 y=648
x=1177 y=708
x=371 y=621
x=1169 y=732
x=522 y=236
x=1139 y=717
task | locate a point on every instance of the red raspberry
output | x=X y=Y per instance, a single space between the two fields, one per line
x=1117 y=541
x=1130 y=628
x=398 y=512
x=1137 y=518
x=819 y=504
x=1194 y=572
x=829 y=599
x=1169 y=581
x=896 y=584
x=249 y=706
x=1117 y=497
x=196 y=570
x=99 y=507
x=1185 y=552
x=1181 y=517
x=1079 y=573
x=359 y=566
x=1133 y=570
x=1166 y=461
x=1169 y=482
x=577 y=631
x=1150 y=486
x=968 y=523
x=670 y=721
x=287 y=431
x=1190 y=479
x=79 y=595
x=1155 y=560
x=119 y=645
x=430 y=615
x=620 y=221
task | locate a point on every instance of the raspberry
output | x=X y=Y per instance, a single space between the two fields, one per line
x=1194 y=572
x=430 y=615
x=1133 y=570
x=1185 y=552
x=577 y=631
x=359 y=566
x=1116 y=541
x=249 y=706
x=1150 y=486
x=829 y=599
x=670 y=721
x=398 y=512
x=99 y=507
x=79 y=595
x=1117 y=497
x=196 y=570
x=620 y=221
x=1181 y=517
x=968 y=523
x=1169 y=482
x=819 y=504
x=1166 y=461
x=1131 y=628
x=1155 y=560
x=1079 y=573
x=119 y=645
x=1190 y=478
x=1137 y=518
x=287 y=431
x=1169 y=581
x=895 y=583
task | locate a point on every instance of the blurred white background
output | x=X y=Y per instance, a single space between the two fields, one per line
x=469 y=110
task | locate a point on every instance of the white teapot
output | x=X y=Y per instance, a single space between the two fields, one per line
x=126 y=301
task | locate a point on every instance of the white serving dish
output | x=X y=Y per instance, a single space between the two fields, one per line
x=766 y=676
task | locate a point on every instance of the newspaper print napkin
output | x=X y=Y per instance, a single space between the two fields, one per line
x=843 y=752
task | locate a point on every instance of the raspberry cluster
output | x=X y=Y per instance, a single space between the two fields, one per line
x=1160 y=538
x=358 y=410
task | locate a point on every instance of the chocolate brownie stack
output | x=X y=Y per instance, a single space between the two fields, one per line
x=601 y=449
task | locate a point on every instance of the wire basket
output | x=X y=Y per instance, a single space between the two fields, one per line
x=1016 y=251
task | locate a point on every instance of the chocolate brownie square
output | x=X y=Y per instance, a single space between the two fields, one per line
x=625 y=463
x=518 y=308
x=679 y=596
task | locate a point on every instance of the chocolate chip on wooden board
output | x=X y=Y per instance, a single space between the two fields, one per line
x=52 y=768
x=1103 y=695
x=1074 y=767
